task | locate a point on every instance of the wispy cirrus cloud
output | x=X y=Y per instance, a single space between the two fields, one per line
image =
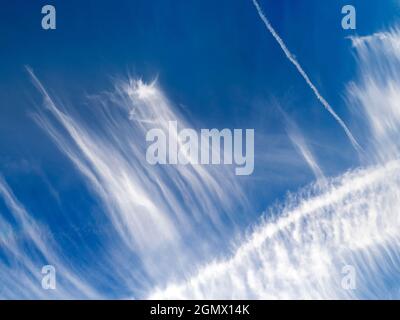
x=156 y=210
x=26 y=246
x=300 y=253
x=173 y=218
x=350 y=220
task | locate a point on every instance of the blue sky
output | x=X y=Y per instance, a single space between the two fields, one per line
x=219 y=67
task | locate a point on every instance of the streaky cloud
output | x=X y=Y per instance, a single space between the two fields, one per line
x=299 y=249
x=173 y=219
x=156 y=210
x=27 y=246
x=300 y=253
x=303 y=148
x=300 y=69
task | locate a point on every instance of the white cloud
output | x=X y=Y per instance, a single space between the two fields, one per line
x=351 y=220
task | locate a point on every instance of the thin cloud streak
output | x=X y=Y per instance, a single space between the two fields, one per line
x=28 y=246
x=299 y=68
x=302 y=147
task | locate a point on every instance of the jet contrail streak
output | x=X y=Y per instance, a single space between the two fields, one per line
x=293 y=60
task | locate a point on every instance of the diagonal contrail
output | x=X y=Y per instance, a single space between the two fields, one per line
x=293 y=60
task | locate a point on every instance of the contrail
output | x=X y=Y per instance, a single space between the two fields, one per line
x=293 y=60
